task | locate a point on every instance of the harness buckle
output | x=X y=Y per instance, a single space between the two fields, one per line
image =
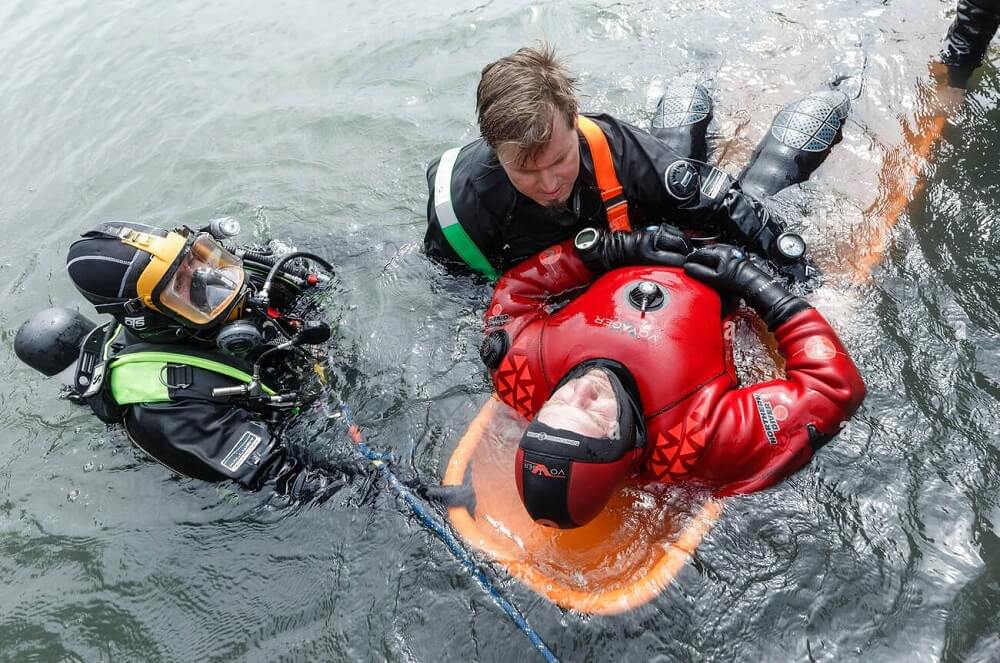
x=133 y=306
x=177 y=376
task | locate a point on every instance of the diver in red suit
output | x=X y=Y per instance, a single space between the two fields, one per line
x=635 y=376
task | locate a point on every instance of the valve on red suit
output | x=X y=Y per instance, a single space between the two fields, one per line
x=493 y=348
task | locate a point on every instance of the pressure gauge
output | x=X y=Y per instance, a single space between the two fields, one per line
x=790 y=246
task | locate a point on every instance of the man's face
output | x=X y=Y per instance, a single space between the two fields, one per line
x=585 y=404
x=548 y=177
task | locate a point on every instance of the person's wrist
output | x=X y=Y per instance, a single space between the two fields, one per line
x=769 y=296
x=493 y=348
x=782 y=310
x=589 y=244
x=749 y=278
x=621 y=249
x=757 y=284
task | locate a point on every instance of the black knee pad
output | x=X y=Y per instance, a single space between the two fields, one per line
x=799 y=140
x=681 y=119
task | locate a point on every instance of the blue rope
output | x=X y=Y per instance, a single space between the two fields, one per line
x=381 y=463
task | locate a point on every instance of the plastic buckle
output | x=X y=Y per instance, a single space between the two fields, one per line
x=133 y=306
x=178 y=376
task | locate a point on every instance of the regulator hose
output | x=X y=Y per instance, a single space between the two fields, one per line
x=280 y=262
x=268 y=259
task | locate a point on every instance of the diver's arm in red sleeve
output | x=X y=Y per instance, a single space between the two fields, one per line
x=523 y=292
x=762 y=433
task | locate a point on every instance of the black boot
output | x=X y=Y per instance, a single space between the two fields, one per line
x=800 y=138
x=681 y=119
x=968 y=38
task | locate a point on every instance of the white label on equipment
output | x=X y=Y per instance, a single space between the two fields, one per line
x=555 y=438
x=241 y=451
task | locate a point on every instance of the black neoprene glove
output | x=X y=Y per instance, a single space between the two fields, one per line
x=969 y=36
x=755 y=228
x=752 y=223
x=730 y=271
x=662 y=245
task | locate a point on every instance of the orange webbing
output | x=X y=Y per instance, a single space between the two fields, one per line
x=607 y=177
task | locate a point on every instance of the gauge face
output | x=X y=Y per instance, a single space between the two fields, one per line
x=791 y=246
x=585 y=238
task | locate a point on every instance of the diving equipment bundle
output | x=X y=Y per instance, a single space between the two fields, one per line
x=181 y=300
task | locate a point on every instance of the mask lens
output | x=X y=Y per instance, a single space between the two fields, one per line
x=206 y=282
x=210 y=289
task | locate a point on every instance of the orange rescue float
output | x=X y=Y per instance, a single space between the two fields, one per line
x=617 y=562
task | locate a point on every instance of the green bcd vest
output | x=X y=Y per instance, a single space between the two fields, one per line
x=131 y=376
x=138 y=377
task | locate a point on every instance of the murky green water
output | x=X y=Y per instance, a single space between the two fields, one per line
x=312 y=122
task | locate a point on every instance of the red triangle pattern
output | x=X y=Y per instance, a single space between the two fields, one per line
x=515 y=384
x=678 y=450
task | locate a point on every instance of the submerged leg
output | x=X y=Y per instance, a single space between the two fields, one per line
x=976 y=21
x=681 y=119
x=801 y=136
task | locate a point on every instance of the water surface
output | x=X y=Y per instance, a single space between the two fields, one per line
x=313 y=122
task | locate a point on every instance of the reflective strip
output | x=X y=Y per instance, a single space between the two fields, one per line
x=106 y=352
x=448 y=220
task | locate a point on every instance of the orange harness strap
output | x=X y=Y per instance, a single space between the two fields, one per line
x=607 y=177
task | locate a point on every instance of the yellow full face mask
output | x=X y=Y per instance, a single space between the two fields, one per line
x=190 y=278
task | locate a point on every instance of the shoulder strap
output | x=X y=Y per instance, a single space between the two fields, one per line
x=448 y=219
x=607 y=178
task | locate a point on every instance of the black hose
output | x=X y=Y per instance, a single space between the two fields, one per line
x=266 y=290
x=268 y=259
